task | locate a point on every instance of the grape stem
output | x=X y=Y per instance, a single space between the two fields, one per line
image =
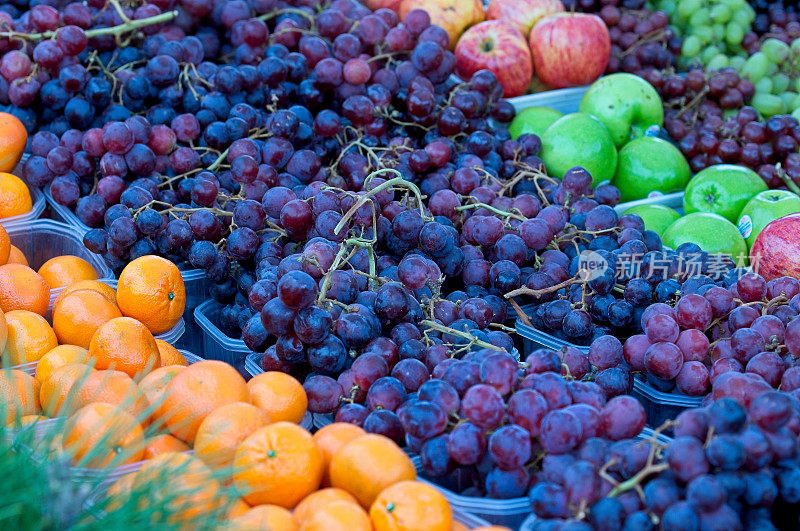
x=398 y=181
x=493 y=209
x=790 y=184
x=126 y=27
x=525 y=290
x=464 y=335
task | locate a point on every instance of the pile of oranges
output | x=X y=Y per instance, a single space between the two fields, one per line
x=15 y=198
x=339 y=479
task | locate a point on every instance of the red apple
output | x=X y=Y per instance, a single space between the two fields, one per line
x=523 y=14
x=776 y=251
x=454 y=16
x=570 y=49
x=496 y=46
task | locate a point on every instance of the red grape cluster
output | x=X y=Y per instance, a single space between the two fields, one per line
x=774 y=18
x=746 y=325
x=641 y=41
x=494 y=419
x=730 y=466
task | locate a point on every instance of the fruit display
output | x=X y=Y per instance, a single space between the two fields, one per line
x=414 y=300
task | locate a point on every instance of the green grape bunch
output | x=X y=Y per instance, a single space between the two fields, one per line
x=712 y=30
x=775 y=72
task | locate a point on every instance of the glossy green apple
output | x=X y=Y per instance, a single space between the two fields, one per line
x=723 y=189
x=765 y=207
x=626 y=104
x=650 y=164
x=656 y=217
x=579 y=139
x=533 y=120
x=711 y=232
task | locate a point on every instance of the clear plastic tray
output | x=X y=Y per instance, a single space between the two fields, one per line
x=659 y=406
x=216 y=345
x=563 y=100
x=674 y=201
x=533 y=338
x=43 y=239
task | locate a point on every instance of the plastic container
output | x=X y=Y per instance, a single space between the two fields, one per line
x=674 y=201
x=563 y=100
x=194 y=280
x=216 y=345
x=41 y=240
x=534 y=338
x=470 y=521
x=659 y=406
x=510 y=513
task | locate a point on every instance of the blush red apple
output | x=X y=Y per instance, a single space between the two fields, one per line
x=776 y=251
x=496 y=46
x=569 y=49
x=523 y=14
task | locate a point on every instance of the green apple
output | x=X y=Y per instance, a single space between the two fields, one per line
x=765 y=207
x=533 y=120
x=656 y=217
x=711 y=232
x=723 y=189
x=579 y=139
x=650 y=164
x=626 y=104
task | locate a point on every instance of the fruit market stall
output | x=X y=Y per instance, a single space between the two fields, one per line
x=400 y=265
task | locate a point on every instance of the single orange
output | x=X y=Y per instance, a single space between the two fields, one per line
x=182 y=484
x=162 y=444
x=65 y=270
x=19 y=395
x=100 y=435
x=22 y=288
x=169 y=355
x=5 y=246
x=330 y=440
x=13 y=137
x=61 y=386
x=151 y=289
x=195 y=392
x=58 y=357
x=269 y=517
x=126 y=345
x=119 y=492
x=29 y=337
x=153 y=384
x=77 y=316
x=15 y=256
x=15 y=198
x=112 y=387
x=367 y=465
x=3 y=330
x=411 y=505
x=94 y=285
x=278 y=464
x=224 y=429
x=338 y=516
x=318 y=499
x=279 y=395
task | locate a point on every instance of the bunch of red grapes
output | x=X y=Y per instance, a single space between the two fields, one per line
x=745 y=325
